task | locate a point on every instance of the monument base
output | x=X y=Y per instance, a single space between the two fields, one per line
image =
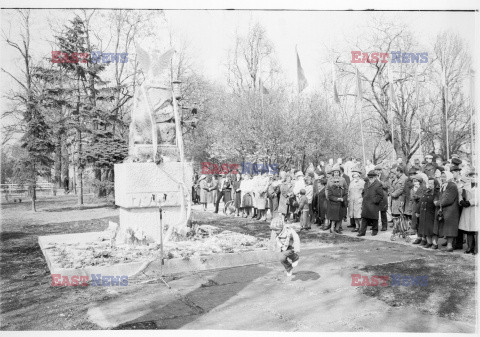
x=142 y=225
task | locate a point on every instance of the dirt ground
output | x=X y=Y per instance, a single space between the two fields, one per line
x=28 y=302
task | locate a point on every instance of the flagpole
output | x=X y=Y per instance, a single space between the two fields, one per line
x=445 y=88
x=418 y=110
x=472 y=92
x=361 y=115
x=392 y=93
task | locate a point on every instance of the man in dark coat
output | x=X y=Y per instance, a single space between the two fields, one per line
x=383 y=179
x=372 y=196
x=447 y=201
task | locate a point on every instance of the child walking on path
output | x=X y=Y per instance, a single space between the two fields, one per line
x=287 y=239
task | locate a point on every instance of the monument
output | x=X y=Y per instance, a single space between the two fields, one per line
x=155 y=173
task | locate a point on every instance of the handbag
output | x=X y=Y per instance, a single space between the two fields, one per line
x=440 y=216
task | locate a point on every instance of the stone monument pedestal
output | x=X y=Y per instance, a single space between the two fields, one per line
x=140 y=189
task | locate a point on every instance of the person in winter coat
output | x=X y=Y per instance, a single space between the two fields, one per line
x=448 y=212
x=237 y=194
x=411 y=206
x=286 y=191
x=383 y=179
x=372 y=196
x=425 y=212
x=246 y=189
x=303 y=208
x=355 y=198
x=202 y=182
x=320 y=203
x=468 y=219
x=397 y=194
x=337 y=204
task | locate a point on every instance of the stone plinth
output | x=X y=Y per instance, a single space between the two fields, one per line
x=140 y=188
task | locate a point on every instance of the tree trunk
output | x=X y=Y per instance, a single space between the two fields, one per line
x=34 y=189
x=57 y=176
x=80 y=169
x=65 y=174
x=99 y=191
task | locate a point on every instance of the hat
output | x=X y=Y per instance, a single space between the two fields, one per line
x=336 y=167
x=412 y=171
x=372 y=173
x=441 y=168
x=455 y=156
x=456 y=161
x=418 y=178
x=299 y=174
x=428 y=156
x=472 y=172
x=378 y=167
x=455 y=168
x=302 y=191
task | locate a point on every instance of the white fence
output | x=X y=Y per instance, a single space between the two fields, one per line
x=22 y=190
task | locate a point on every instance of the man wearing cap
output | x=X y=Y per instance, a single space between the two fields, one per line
x=298 y=185
x=430 y=167
x=372 y=196
x=383 y=179
x=397 y=194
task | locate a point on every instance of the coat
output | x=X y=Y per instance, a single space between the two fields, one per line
x=397 y=193
x=320 y=204
x=336 y=209
x=411 y=203
x=246 y=193
x=355 y=198
x=426 y=209
x=238 y=194
x=285 y=190
x=448 y=202
x=203 y=191
x=372 y=196
x=467 y=219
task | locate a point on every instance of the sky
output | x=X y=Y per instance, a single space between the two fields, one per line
x=210 y=33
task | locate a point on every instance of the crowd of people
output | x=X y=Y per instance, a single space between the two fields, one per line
x=435 y=197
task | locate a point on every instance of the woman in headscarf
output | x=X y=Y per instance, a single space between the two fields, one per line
x=246 y=190
x=448 y=212
x=337 y=204
x=425 y=212
x=237 y=193
x=355 y=198
x=203 y=189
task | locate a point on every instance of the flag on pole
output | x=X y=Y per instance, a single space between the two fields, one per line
x=335 y=92
x=302 y=80
x=263 y=90
x=359 y=86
